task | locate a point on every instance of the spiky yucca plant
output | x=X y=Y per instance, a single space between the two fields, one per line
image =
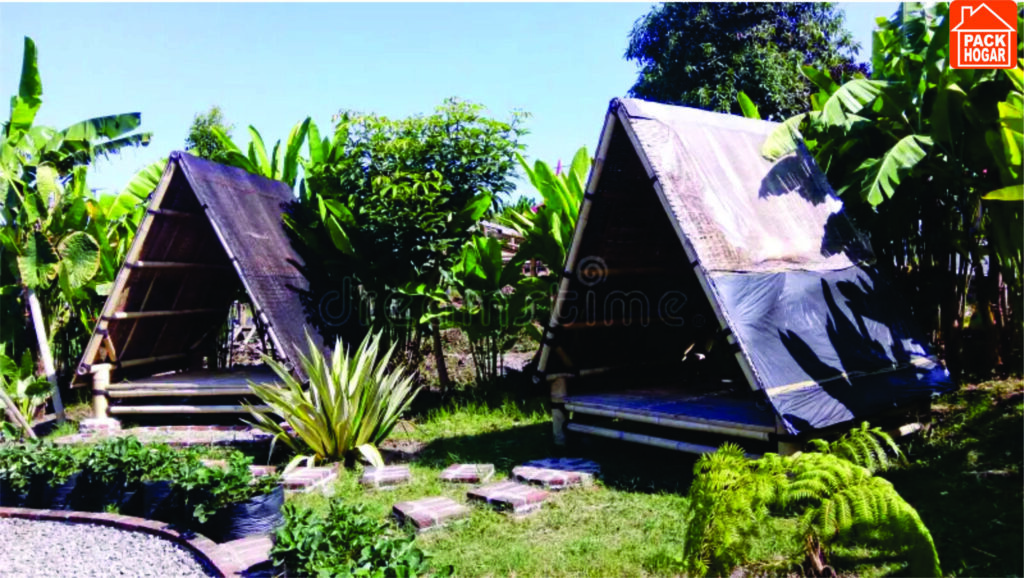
x=351 y=404
x=832 y=495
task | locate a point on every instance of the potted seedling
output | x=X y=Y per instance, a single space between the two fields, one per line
x=55 y=472
x=228 y=503
x=15 y=470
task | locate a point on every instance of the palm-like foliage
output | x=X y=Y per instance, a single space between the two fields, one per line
x=280 y=165
x=352 y=402
x=58 y=238
x=927 y=158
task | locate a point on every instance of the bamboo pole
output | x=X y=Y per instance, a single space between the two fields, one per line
x=44 y=352
x=158 y=409
x=149 y=360
x=148 y=314
x=645 y=439
x=739 y=430
x=100 y=381
x=175 y=265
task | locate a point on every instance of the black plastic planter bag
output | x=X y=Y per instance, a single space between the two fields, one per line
x=160 y=502
x=93 y=495
x=44 y=494
x=260 y=515
x=10 y=498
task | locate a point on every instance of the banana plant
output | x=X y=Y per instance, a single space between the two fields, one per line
x=60 y=242
x=928 y=161
x=282 y=164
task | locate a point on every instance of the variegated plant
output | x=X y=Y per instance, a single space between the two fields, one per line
x=352 y=402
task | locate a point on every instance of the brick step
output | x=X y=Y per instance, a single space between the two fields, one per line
x=508 y=496
x=386 y=477
x=429 y=513
x=467 y=473
x=557 y=473
x=307 y=479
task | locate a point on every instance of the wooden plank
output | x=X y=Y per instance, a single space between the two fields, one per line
x=130 y=386
x=158 y=409
x=174 y=265
x=147 y=314
x=179 y=392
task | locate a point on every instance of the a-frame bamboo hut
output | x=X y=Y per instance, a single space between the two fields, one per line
x=712 y=294
x=212 y=234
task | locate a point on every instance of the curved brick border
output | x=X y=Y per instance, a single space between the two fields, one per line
x=217 y=558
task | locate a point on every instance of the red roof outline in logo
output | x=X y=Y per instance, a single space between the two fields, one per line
x=975 y=16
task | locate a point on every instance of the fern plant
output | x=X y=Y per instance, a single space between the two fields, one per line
x=831 y=493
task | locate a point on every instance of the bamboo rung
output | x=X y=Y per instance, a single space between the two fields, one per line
x=148 y=360
x=179 y=392
x=145 y=314
x=174 y=265
x=173 y=213
x=132 y=385
x=157 y=409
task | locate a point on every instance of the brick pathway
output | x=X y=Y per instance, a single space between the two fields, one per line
x=467 y=473
x=518 y=499
x=386 y=477
x=429 y=513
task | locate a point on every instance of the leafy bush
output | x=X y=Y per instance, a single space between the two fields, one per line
x=345 y=542
x=352 y=402
x=120 y=460
x=825 y=498
x=207 y=489
x=16 y=465
x=57 y=463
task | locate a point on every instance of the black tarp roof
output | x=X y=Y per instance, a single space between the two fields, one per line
x=816 y=330
x=210 y=232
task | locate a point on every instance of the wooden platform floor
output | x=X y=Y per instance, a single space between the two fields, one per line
x=201 y=379
x=726 y=408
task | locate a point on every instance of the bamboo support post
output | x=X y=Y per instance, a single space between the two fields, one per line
x=558 y=414
x=100 y=382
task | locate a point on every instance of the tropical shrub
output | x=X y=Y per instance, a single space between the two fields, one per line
x=351 y=404
x=387 y=206
x=928 y=161
x=24 y=388
x=59 y=240
x=345 y=542
x=816 y=500
x=282 y=164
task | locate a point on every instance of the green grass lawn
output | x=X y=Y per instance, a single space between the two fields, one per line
x=964 y=479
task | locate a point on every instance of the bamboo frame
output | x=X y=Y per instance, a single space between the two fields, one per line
x=120 y=393
x=146 y=314
x=159 y=409
x=644 y=439
x=174 y=213
x=693 y=424
x=91 y=349
x=173 y=265
x=148 y=360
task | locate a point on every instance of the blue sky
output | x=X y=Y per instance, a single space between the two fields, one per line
x=271 y=65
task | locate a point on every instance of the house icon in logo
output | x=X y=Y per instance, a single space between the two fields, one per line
x=981 y=35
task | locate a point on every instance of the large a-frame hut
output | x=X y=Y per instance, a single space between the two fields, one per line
x=713 y=294
x=212 y=234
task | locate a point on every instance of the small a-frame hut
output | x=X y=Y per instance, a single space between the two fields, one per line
x=712 y=294
x=212 y=234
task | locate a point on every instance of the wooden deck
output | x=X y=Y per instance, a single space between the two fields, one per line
x=186 y=385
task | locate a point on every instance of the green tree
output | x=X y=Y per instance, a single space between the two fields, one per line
x=391 y=202
x=702 y=54
x=928 y=161
x=202 y=141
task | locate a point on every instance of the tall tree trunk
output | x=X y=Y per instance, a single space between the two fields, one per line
x=442 y=367
x=44 y=352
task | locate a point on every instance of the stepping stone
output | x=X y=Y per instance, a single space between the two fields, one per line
x=429 y=513
x=509 y=496
x=557 y=473
x=257 y=471
x=307 y=479
x=467 y=473
x=386 y=477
